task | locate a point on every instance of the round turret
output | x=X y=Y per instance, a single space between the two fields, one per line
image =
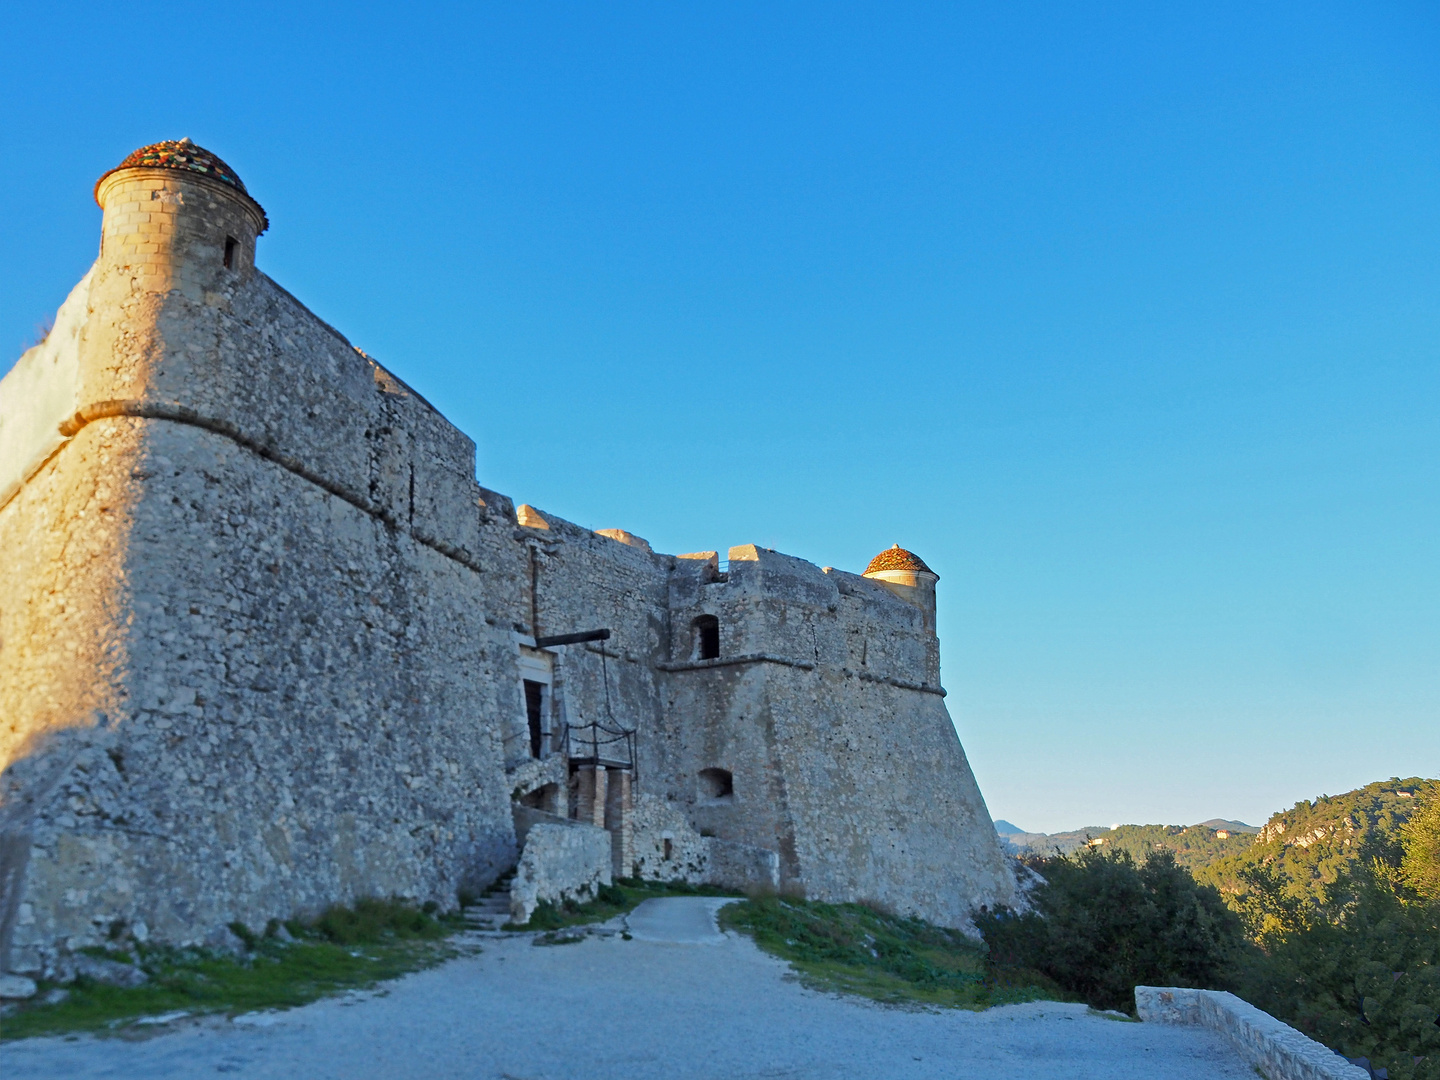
x=177 y=217
x=905 y=574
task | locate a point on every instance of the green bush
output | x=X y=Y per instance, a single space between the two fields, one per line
x=1102 y=925
x=611 y=894
x=547 y=916
x=373 y=920
x=1354 y=964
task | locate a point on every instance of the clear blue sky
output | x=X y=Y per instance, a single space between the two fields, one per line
x=1124 y=316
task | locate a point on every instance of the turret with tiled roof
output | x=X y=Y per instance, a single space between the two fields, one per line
x=177 y=217
x=905 y=574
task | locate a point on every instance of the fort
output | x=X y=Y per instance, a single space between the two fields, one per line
x=267 y=645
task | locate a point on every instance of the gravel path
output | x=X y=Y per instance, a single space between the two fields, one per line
x=610 y=1009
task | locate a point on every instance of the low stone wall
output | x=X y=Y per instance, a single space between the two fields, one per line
x=665 y=847
x=668 y=849
x=741 y=866
x=1276 y=1049
x=527 y=817
x=559 y=863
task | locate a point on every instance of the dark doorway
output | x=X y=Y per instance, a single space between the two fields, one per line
x=534 y=710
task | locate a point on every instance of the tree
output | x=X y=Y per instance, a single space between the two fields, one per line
x=1359 y=973
x=1102 y=925
x=1420 y=865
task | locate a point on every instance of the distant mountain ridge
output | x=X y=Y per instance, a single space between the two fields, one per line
x=1194 y=846
x=1304 y=847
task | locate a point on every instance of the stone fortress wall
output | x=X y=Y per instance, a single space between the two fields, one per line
x=265 y=642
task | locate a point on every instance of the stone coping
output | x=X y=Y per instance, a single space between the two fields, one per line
x=1276 y=1049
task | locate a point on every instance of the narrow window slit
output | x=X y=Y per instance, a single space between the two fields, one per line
x=534 y=715
x=231 y=244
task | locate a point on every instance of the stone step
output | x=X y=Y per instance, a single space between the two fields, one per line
x=491 y=910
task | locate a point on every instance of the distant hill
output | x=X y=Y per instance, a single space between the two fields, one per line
x=1019 y=842
x=1232 y=826
x=1194 y=846
x=1308 y=845
x=1305 y=847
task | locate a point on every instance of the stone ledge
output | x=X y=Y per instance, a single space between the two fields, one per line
x=743 y=658
x=865 y=676
x=1275 y=1048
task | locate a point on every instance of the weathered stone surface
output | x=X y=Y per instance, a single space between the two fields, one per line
x=265 y=643
x=110 y=972
x=621 y=536
x=666 y=846
x=1275 y=1047
x=741 y=866
x=559 y=863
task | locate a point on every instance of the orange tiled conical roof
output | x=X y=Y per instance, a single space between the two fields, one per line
x=897 y=558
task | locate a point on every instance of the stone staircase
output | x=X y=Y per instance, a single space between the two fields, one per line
x=493 y=910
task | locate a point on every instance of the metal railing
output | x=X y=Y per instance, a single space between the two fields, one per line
x=599 y=744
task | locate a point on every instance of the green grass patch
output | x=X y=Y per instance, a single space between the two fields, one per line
x=857 y=949
x=344 y=949
x=612 y=900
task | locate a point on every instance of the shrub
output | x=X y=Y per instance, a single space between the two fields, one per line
x=372 y=920
x=1103 y=925
x=611 y=894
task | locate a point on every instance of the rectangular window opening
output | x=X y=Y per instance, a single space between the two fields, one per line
x=707 y=637
x=231 y=244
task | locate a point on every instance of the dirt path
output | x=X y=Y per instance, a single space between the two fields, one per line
x=611 y=1009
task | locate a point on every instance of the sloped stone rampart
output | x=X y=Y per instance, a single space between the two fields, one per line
x=559 y=863
x=1281 y=1052
x=262 y=633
